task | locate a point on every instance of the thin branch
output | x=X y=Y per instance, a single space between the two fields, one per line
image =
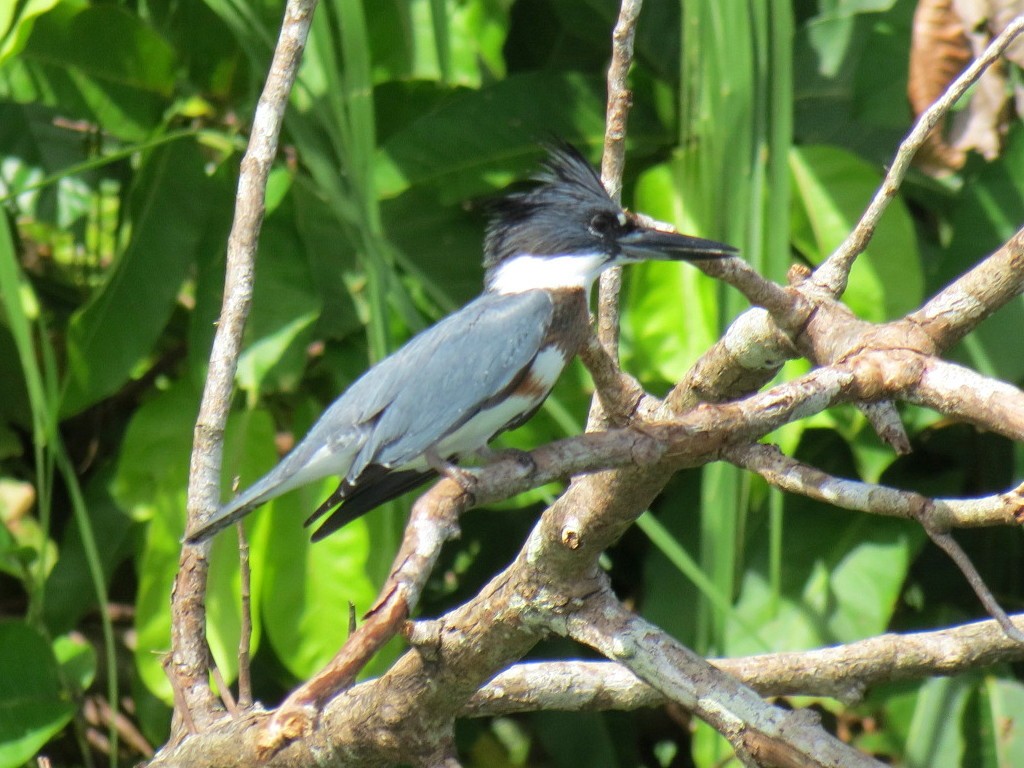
x=245 y=632
x=959 y=307
x=960 y=392
x=934 y=515
x=613 y=160
x=948 y=544
x=796 y=477
x=622 y=398
x=834 y=272
x=843 y=672
x=753 y=727
x=189 y=654
x=432 y=522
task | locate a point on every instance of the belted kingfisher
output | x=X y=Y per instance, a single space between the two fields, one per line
x=482 y=370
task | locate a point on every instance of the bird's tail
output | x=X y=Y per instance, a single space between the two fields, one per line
x=261 y=491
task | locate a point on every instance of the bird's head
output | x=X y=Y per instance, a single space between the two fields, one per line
x=567 y=230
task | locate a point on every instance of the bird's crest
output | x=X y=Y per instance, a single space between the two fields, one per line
x=534 y=221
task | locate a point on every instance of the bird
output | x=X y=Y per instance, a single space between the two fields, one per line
x=484 y=369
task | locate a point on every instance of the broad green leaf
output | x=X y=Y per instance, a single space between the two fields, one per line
x=151 y=484
x=331 y=262
x=170 y=207
x=77 y=658
x=441 y=245
x=1005 y=698
x=709 y=747
x=935 y=739
x=832 y=188
x=595 y=748
x=105 y=43
x=70 y=592
x=16 y=22
x=461 y=45
x=841 y=579
x=850 y=80
x=33 y=706
x=672 y=315
x=307 y=587
x=989 y=210
x=99 y=63
x=470 y=145
x=285 y=307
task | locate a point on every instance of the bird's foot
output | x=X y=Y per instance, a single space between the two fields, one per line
x=464 y=477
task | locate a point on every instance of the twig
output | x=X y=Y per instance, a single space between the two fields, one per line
x=945 y=542
x=189 y=652
x=753 y=727
x=620 y=99
x=885 y=420
x=620 y=394
x=833 y=273
x=245 y=631
x=934 y=515
x=225 y=691
x=794 y=476
x=843 y=672
x=432 y=522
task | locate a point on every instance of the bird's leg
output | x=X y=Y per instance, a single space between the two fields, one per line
x=443 y=467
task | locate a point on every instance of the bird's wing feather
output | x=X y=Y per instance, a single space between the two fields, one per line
x=410 y=400
x=456 y=366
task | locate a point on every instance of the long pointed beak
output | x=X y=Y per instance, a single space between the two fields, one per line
x=647 y=244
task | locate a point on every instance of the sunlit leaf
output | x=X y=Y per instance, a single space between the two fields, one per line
x=170 y=208
x=832 y=188
x=33 y=706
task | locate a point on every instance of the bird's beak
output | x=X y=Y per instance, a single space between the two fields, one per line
x=647 y=243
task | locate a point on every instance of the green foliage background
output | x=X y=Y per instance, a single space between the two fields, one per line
x=763 y=123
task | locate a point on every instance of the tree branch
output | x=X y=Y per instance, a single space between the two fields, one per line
x=842 y=672
x=190 y=658
x=834 y=272
x=753 y=727
x=613 y=160
x=938 y=514
x=960 y=307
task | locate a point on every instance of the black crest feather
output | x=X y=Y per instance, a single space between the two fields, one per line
x=534 y=221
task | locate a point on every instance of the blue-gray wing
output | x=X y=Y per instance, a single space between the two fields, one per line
x=430 y=387
x=411 y=400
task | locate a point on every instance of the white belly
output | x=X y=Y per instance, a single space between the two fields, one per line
x=476 y=432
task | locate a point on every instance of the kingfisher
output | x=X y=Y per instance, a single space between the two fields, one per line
x=483 y=370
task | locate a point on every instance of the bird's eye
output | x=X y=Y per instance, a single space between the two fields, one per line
x=606 y=223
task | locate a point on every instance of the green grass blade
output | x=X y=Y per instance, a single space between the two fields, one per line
x=49 y=450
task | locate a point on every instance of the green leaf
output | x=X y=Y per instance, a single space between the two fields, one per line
x=285 y=307
x=77 y=658
x=988 y=212
x=470 y=145
x=841 y=575
x=98 y=63
x=672 y=315
x=307 y=586
x=33 y=707
x=170 y=207
x=935 y=739
x=850 y=77
x=832 y=188
x=16 y=22
x=70 y=592
x=105 y=43
x=151 y=484
x=1005 y=698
